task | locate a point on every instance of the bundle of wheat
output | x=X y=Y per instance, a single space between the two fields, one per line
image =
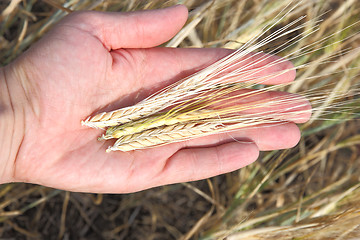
x=226 y=95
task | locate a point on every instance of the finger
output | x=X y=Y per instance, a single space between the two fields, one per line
x=265 y=69
x=164 y=66
x=266 y=137
x=199 y=163
x=265 y=106
x=274 y=137
x=142 y=29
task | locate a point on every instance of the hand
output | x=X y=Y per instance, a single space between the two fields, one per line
x=94 y=61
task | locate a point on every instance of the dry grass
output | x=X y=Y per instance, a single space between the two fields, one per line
x=309 y=192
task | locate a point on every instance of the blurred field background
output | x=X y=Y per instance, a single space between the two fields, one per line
x=309 y=192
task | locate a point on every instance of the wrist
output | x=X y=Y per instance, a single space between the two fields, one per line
x=12 y=122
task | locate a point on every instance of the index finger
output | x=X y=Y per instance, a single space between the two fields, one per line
x=163 y=66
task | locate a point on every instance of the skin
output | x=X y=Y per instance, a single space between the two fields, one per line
x=92 y=62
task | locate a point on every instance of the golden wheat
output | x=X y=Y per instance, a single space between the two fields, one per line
x=220 y=98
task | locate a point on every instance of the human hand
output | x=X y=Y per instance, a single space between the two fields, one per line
x=94 y=61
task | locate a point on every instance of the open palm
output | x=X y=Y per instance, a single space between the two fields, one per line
x=95 y=61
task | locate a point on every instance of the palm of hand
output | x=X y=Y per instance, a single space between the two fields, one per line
x=74 y=74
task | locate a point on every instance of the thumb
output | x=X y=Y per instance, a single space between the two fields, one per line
x=142 y=29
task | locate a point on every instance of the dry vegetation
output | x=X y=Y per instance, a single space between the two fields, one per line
x=309 y=192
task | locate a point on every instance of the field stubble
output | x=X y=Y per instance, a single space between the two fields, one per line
x=309 y=192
